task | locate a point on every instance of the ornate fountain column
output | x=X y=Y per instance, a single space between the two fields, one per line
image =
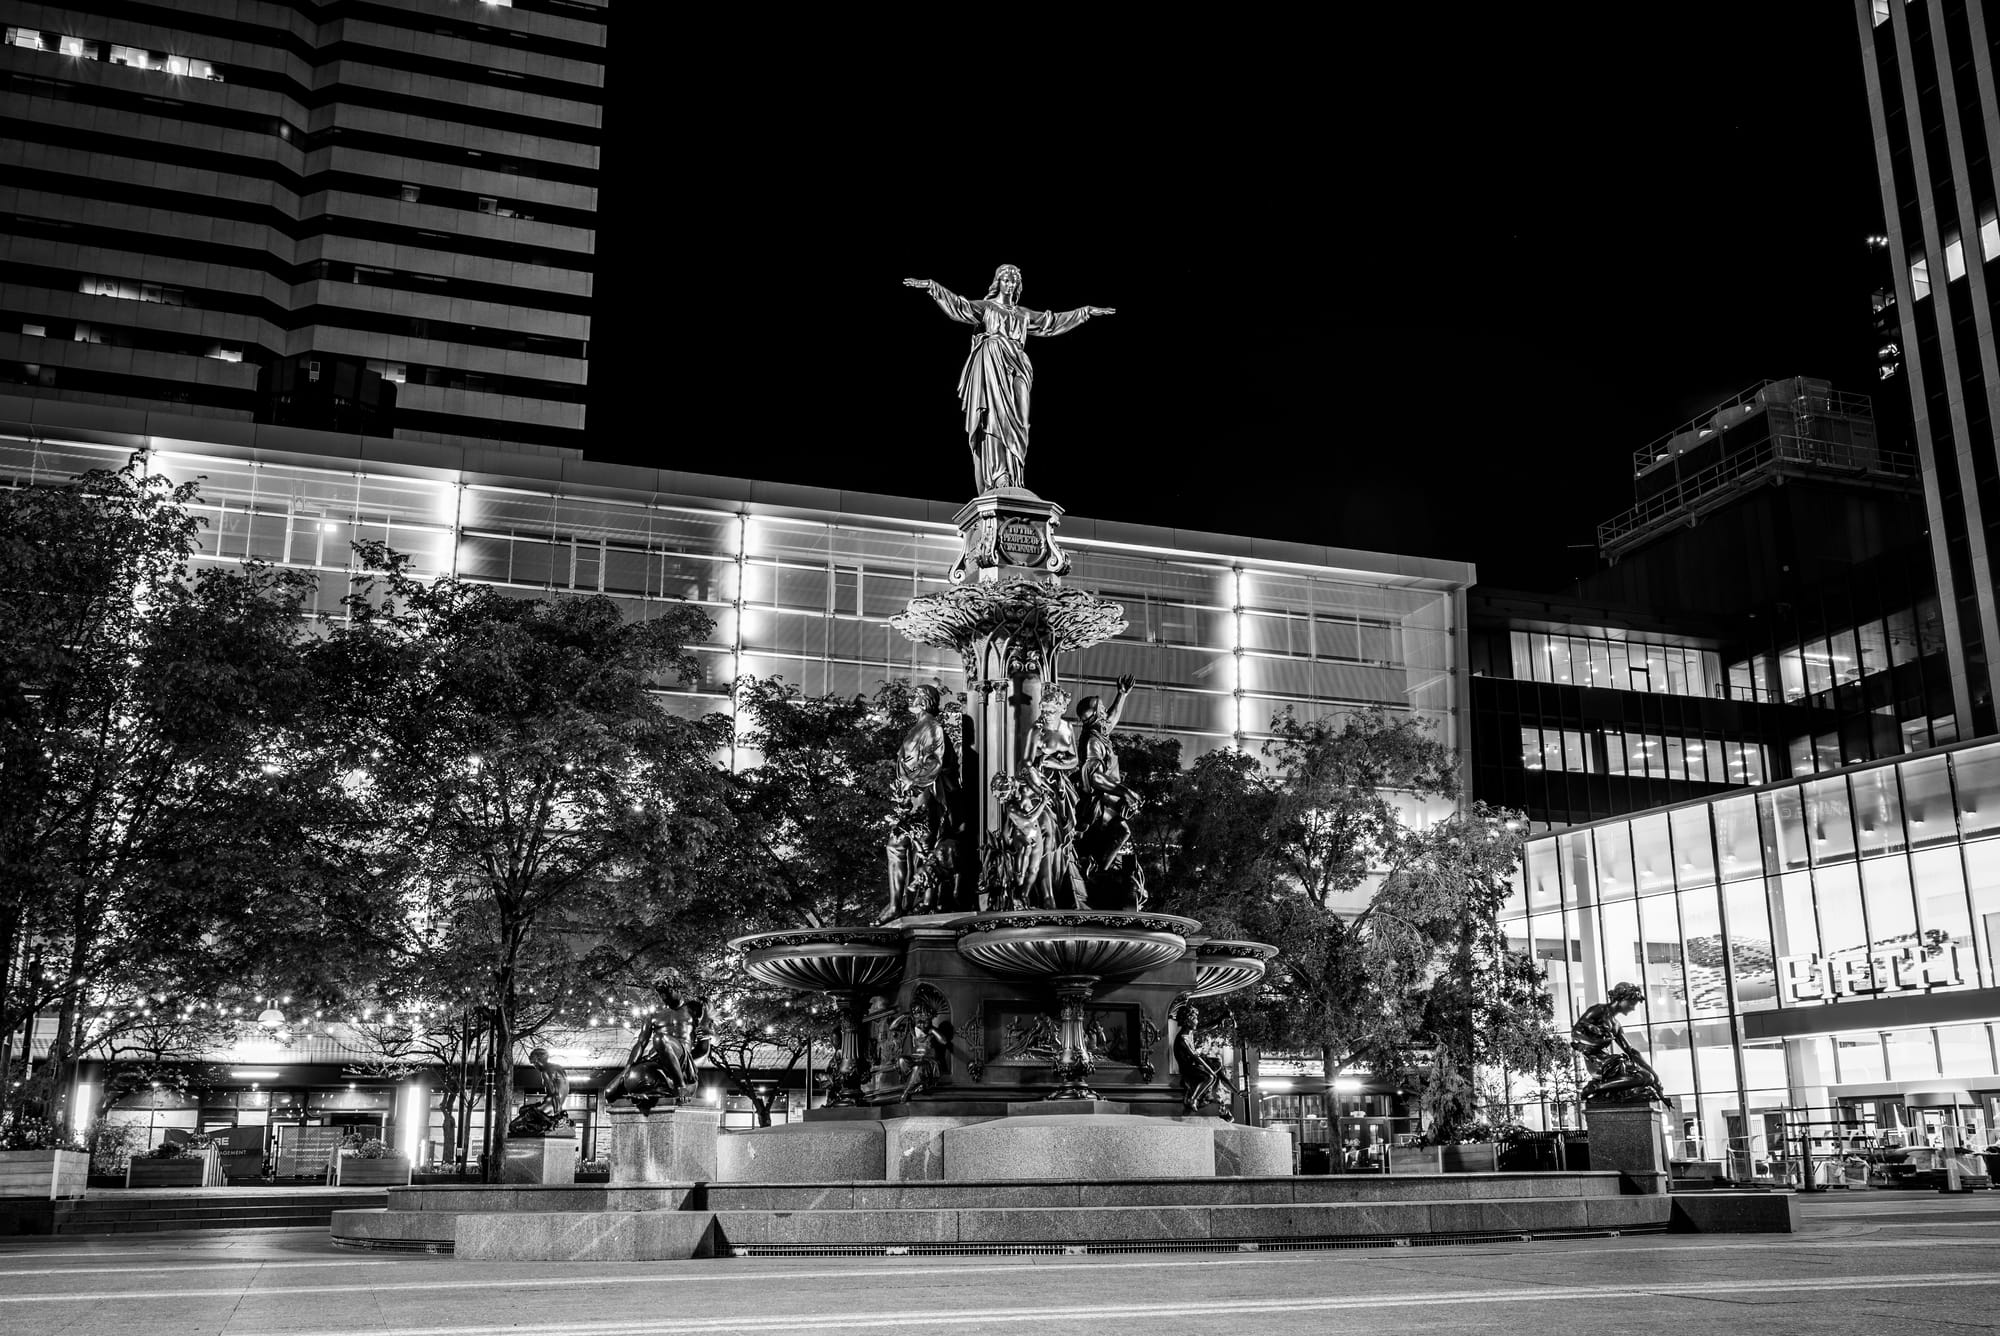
x=1009 y=615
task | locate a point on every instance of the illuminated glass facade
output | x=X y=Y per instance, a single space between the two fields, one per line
x=1223 y=631
x=1816 y=945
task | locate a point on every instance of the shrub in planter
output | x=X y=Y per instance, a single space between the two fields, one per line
x=369 y=1162
x=36 y=1160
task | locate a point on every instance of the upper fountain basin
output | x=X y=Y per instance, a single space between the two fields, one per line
x=1048 y=943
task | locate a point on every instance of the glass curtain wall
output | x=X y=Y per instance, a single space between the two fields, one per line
x=1220 y=645
x=1823 y=894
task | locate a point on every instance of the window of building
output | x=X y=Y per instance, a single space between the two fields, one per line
x=31 y=38
x=1930 y=627
x=1818 y=663
x=1881 y=12
x=410 y=194
x=1903 y=636
x=1792 y=674
x=1954 y=257
x=1927 y=802
x=1746 y=763
x=1989 y=234
x=35 y=331
x=1920 y=277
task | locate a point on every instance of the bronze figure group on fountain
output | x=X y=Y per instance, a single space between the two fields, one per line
x=1063 y=839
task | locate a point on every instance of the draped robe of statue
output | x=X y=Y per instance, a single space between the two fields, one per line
x=993 y=388
x=923 y=850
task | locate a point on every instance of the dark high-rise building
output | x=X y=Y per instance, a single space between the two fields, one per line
x=1929 y=66
x=365 y=217
x=1767 y=611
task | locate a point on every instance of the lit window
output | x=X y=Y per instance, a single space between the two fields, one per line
x=1989 y=237
x=1954 y=258
x=35 y=331
x=411 y=194
x=1881 y=12
x=28 y=37
x=222 y=354
x=1920 y=278
x=139 y=58
x=74 y=46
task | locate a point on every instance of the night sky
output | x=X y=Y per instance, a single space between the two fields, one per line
x=1390 y=284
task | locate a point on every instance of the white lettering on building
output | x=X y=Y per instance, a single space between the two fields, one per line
x=1868 y=972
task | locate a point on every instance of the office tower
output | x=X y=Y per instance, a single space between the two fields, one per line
x=1768 y=610
x=372 y=218
x=1936 y=117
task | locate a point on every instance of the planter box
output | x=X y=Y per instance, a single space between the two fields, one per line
x=1414 y=1160
x=181 y=1172
x=351 y=1171
x=43 y=1173
x=1472 y=1157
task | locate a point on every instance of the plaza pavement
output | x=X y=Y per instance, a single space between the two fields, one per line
x=1866 y=1262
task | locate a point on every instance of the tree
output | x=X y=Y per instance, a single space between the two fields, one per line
x=814 y=805
x=154 y=840
x=530 y=795
x=1386 y=930
x=759 y=1035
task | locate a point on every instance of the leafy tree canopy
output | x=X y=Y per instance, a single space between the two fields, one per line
x=1389 y=957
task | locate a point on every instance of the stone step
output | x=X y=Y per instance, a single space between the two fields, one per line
x=542 y=1197
x=1156 y=1191
x=663 y=1235
x=147 y=1215
x=763 y=1231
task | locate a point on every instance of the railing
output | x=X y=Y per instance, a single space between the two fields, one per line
x=1787 y=453
x=1806 y=396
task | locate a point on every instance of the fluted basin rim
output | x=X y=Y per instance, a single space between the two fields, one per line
x=1232 y=949
x=818 y=936
x=1082 y=943
x=1130 y=920
x=1223 y=966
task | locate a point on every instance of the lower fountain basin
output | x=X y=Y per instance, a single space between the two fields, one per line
x=824 y=960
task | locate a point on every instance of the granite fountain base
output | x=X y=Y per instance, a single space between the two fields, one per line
x=1034 y=1139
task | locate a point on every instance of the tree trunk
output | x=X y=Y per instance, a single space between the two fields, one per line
x=10 y=943
x=499 y=1096
x=1329 y=1100
x=60 y=1069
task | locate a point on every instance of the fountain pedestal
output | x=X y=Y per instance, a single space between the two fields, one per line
x=667 y=1144
x=1631 y=1138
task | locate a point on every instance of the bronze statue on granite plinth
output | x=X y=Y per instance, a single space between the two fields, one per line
x=542 y=1113
x=1617 y=1073
x=660 y=1069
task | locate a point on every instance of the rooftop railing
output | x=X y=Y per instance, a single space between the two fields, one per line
x=1789 y=452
